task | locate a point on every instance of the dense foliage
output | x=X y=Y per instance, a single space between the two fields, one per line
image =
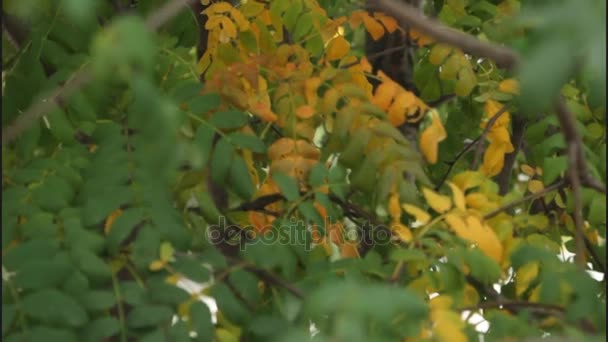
x=271 y=165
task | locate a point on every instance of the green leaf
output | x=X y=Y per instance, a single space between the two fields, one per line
x=303 y=26
x=192 y=269
x=8 y=316
x=248 y=142
x=287 y=185
x=482 y=267
x=161 y=292
x=229 y=119
x=246 y=284
x=60 y=126
x=204 y=103
x=200 y=317
x=204 y=141
x=132 y=293
x=597 y=210
x=122 y=228
x=54 y=194
x=149 y=315
x=30 y=251
x=229 y=305
x=91 y=264
x=221 y=160
x=240 y=179
x=100 y=329
x=50 y=305
x=97 y=300
x=42 y=273
x=553 y=167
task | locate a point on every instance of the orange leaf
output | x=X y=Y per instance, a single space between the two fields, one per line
x=431 y=137
x=337 y=48
x=420 y=38
x=389 y=22
x=281 y=148
x=305 y=112
x=384 y=94
x=373 y=27
x=510 y=86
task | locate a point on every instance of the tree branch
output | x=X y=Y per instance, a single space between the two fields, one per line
x=409 y=16
x=524 y=199
x=79 y=79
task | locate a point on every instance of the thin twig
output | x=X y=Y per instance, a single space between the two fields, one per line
x=275 y=280
x=410 y=17
x=549 y=309
x=79 y=79
x=524 y=199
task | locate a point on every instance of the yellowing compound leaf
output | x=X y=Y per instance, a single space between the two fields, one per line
x=431 y=137
x=337 y=48
x=439 y=203
x=420 y=215
x=384 y=94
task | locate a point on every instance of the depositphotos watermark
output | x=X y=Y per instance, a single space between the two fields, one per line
x=295 y=232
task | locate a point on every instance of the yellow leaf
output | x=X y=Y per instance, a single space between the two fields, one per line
x=510 y=86
x=441 y=302
x=438 y=202
x=471 y=296
x=448 y=326
x=528 y=170
x=535 y=186
x=218 y=7
x=373 y=27
x=420 y=215
x=401 y=231
x=305 y=112
x=524 y=276
x=485 y=238
x=474 y=231
x=107 y=227
x=458 y=195
x=439 y=53
x=431 y=137
x=467 y=180
x=337 y=48
x=476 y=200
x=493 y=159
x=157 y=265
x=394 y=209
